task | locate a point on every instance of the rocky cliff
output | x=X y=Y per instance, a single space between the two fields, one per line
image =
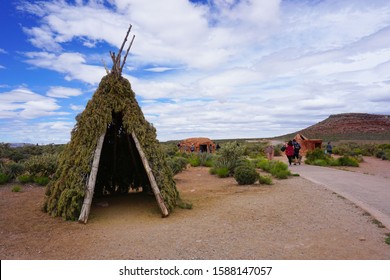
x=351 y=126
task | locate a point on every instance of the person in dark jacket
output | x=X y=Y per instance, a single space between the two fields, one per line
x=329 y=149
x=297 y=148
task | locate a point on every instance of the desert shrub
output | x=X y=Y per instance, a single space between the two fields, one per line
x=221 y=172
x=11 y=168
x=170 y=149
x=264 y=164
x=194 y=160
x=205 y=159
x=316 y=154
x=24 y=178
x=4 y=178
x=16 y=188
x=254 y=149
x=245 y=175
x=383 y=151
x=14 y=169
x=317 y=157
x=281 y=174
x=265 y=180
x=42 y=165
x=347 y=161
x=228 y=156
x=277 y=168
x=41 y=180
x=245 y=162
x=177 y=164
x=319 y=162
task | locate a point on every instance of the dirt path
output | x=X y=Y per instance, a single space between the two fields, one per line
x=292 y=219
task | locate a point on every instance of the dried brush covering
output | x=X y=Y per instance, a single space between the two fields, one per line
x=65 y=194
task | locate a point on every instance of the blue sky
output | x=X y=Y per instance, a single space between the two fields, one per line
x=217 y=68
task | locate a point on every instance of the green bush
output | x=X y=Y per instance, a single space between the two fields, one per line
x=43 y=181
x=316 y=154
x=277 y=168
x=347 y=161
x=317 y=157
x=319 y=162
x=194 y=160
x=281 y=174
x=229 y=155
x=177 y=164
x=25 y=178
x=42 y=165
x=11 y=168
x=222 y=172
x=264 y=164
x=205 y=159
x=245 y=175
x=4 y=178
x=265 y=180
x=16 y=189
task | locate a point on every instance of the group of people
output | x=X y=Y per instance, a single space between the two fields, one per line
x=292 y=149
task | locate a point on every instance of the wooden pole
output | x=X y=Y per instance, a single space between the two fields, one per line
x=152 y=180
x=118 y=58
x=83 y=218
x=127 y=52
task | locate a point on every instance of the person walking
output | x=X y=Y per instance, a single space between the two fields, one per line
x=297 y=148
x=290 y=151
x=329 y=149
x=269 y=152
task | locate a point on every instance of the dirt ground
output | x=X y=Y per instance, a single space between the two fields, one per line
x=292 y=219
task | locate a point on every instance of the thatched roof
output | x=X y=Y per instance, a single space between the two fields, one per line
x=114 y=112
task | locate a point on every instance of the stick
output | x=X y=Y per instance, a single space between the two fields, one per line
x=127 y=52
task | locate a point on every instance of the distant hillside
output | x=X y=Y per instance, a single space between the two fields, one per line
x=351 y=126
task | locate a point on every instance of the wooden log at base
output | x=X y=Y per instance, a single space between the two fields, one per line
x=152 y=180
x=83 y=218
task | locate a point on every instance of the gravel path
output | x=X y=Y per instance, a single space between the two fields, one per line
x=370 y=192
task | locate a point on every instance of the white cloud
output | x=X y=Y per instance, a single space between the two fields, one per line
x=63 y=92
x=25 y=104
x=28 y=131
x=73 y=65
x=77 y=108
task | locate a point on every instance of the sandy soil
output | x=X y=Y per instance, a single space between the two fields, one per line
x=292 y=219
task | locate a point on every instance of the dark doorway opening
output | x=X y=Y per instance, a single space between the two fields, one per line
x=120 y=168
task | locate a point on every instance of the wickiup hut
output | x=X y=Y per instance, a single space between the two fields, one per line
x=113 y=149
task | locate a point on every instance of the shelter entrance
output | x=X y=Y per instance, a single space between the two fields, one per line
x=120 y=168
x=203 y=148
